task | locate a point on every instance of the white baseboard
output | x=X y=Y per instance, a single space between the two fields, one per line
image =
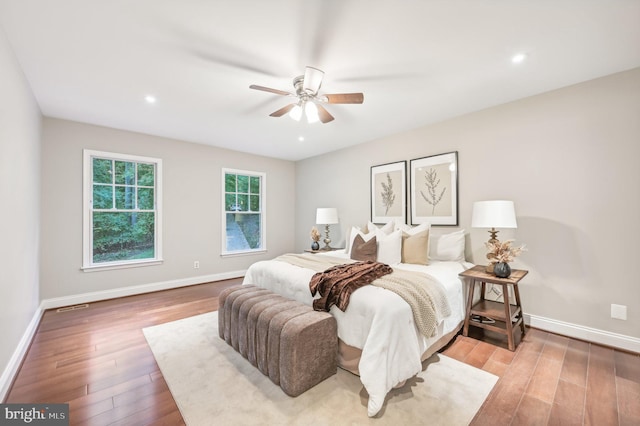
x=133 y=290
x=581 y=332
x=14 y=363
x=11 y=370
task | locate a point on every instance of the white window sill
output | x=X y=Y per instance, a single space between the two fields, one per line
x=242 y=253
x=132 y=264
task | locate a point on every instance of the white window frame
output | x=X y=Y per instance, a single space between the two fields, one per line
x=87 y=217
x=263 y=213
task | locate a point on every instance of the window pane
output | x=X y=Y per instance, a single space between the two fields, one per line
x=125 y=173
x=254 y=201
x=243 y=184
x=102 y=172
x=243 y=231
x=145 y=198
x=102 y=196
x=229 y=182
x=146 y=175
x=123 y=236
x=243 y=203
x=125 y=197
x=255 y=185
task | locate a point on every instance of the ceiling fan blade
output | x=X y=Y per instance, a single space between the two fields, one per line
x=270 y=90
x=345 y=98
x=312 y=80
x=324 y=115
x=282 y=111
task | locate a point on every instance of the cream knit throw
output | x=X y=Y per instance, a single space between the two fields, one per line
x=424 y=294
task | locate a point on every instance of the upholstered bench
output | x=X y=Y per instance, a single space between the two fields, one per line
x=295 y=346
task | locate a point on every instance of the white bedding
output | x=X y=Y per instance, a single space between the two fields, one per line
x=377 y=321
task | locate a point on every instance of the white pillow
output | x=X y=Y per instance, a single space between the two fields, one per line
x=356 y=231
x=414 y=230
x=389 y=247
x=447 y=247
x=387 y=228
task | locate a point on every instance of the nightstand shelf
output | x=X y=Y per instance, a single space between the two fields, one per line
x=505 y=317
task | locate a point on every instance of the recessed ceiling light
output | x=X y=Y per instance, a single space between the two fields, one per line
x=519 y=58
x=150 y=99
x=301 y=138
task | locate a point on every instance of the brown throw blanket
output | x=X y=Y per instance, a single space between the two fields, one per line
x=337 y=283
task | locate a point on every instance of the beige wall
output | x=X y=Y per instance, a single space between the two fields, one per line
x=569 y=160
x=20 y=123
x=192 y=208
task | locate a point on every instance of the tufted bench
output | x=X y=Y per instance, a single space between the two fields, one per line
x=295 y=346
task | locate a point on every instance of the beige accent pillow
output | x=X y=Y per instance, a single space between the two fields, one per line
x=415 y=248
x=364 y=250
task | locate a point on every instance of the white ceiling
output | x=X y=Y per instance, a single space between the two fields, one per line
x=417 y=62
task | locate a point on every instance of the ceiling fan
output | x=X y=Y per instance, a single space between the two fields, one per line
x=309 y=100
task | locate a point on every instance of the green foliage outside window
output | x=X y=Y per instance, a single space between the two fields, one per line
x=123 y=214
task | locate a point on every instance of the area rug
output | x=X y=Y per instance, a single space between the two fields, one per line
x=213 y=384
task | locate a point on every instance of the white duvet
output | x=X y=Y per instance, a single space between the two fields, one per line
x=377 y=321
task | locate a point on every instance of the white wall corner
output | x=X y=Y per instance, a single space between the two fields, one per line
x=620 y=341
x=13 y=366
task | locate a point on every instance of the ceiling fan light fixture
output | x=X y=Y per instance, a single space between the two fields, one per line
x=312 y=80
x=296 y=112
x=311 y=111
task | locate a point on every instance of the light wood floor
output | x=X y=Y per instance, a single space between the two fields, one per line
x=97 y=360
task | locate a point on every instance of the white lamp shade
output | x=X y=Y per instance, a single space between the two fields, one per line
x=326 y=216
x=494 y=214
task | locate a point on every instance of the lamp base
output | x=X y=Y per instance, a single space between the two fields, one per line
x=326 y=240
x=494 y=235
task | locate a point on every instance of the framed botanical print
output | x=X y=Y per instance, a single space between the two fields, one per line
x=434 y=189
x=389 y=193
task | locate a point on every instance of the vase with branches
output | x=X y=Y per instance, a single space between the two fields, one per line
x=500 y=254
x=315 y=237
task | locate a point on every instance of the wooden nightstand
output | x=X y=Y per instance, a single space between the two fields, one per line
x=507 y=317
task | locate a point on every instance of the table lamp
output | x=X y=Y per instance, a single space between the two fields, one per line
x=326 y=216
x=493 y=214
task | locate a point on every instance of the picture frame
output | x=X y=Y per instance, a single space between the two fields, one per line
x=434 y=189
x=389 y=193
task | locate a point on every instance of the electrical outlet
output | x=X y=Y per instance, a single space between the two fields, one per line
x=619 y=311
x=196 y=264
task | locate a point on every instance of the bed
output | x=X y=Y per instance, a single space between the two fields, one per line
x=379 y=340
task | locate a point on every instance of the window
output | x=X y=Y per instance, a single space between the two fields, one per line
x=122 y=214
x=244 y=218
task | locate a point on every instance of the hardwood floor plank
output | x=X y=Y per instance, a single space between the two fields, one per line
x=532 y=412
x=109 y=393
x=628 y=401
x=601 y=400
x=568 y=404
x=576 y=363
x=461 y=348
x=480 y=354
x=628 y=366
x=544 y=380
